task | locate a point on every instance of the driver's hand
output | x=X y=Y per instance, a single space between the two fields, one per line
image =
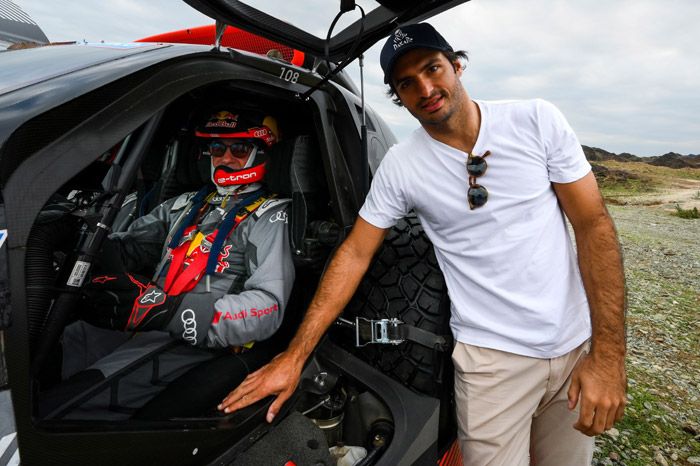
x=279 y=377
x=126 y=302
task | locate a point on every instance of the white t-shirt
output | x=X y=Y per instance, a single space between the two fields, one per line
x=510 y=266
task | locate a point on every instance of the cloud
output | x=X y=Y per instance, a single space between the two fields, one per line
x=624 y=73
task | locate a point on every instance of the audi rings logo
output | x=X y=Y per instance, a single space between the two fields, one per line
x=279 y=217
x=189 y=325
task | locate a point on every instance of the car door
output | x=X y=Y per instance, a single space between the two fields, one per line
x=378 y=20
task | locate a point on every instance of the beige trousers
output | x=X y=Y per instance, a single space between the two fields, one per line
x=511 y=406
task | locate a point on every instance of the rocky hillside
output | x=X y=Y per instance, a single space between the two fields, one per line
x=671 y=159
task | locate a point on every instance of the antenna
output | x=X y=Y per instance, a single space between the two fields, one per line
x=345 y=62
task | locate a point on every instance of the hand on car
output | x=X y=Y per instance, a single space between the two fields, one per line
x=127 y=302
x=279 y=377
x=600 y=384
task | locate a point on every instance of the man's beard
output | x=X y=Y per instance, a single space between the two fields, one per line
x=451 y=99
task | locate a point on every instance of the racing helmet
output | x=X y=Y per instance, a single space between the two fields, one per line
x=249 y=132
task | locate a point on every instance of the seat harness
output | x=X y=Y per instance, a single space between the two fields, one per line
x=191 y=260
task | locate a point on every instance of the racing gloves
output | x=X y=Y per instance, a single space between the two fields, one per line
x=127 y=302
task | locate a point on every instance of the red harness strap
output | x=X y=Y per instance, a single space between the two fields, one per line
x=183 y=277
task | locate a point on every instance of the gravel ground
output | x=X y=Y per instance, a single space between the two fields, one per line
x=662 y=266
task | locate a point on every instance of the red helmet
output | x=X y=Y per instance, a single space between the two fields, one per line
x=248 y=127
x=230 y=125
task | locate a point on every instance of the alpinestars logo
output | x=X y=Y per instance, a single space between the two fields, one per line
x=151 y=297
x=103 y=279
x=401 y=39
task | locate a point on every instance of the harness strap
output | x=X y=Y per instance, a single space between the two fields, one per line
x=196 y=203
x=229 y=223
x=179 y=281
x=423 y=337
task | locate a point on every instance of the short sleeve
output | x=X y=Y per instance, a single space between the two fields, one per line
x=566 y=161
x=386 y=201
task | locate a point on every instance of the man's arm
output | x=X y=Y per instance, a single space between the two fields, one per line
x=281 y=376
x=140 y=247
x=598 y=381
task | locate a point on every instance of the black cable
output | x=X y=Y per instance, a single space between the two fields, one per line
x=341 y=63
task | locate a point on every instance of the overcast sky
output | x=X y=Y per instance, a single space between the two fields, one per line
x=626 y=73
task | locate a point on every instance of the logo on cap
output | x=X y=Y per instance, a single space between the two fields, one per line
x=401 y=39
x=222 y=120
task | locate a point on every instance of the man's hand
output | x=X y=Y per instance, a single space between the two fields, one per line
x=127 y=302
x=279 y=377
x=601 y=387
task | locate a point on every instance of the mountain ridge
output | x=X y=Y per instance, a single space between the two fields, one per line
x=669 y=159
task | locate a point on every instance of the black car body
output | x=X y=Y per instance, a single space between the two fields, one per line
x=63 y=108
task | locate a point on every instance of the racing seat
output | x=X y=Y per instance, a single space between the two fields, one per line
x=170 y=172
x=295 y=171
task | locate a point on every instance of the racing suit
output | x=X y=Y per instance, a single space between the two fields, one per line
x=242 y=302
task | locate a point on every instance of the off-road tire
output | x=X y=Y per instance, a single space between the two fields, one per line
x=405 y=282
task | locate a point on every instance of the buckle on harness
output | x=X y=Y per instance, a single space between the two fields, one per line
x=382 y=331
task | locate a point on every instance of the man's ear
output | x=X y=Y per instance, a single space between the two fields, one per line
x=458 y=67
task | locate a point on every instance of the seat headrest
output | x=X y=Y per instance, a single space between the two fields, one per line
x=293 y=166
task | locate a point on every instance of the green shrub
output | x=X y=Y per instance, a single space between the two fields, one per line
x=687 y=213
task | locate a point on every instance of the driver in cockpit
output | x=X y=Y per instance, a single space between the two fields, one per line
x=223 y=276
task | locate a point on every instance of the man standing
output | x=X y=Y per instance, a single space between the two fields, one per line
x=491 y=183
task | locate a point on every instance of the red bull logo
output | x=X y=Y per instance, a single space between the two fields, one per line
x=222 y=119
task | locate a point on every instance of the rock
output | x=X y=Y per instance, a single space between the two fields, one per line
x=693 y=459
x=659 y=459
x=674 y=456
x=613 y=432
x=691 y=429
x=614 y=456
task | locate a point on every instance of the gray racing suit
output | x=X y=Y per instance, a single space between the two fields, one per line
x=242 y=302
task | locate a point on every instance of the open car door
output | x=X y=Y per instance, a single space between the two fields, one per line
x=345 y=45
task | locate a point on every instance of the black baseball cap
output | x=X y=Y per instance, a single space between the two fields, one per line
x=409 y=37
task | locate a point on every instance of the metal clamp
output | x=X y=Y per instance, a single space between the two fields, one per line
x=368 y=331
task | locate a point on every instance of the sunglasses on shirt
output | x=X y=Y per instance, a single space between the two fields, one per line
x=477 y=195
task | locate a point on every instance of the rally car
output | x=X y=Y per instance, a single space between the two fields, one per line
x=94 y=135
